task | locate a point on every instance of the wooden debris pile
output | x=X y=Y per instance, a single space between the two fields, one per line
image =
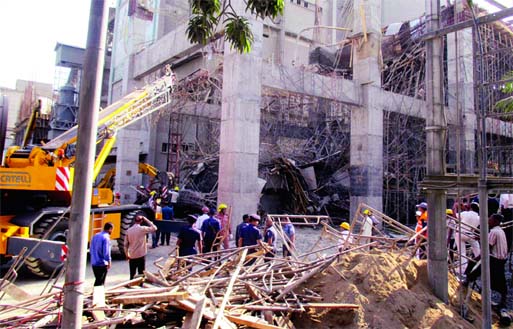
x=228 y=288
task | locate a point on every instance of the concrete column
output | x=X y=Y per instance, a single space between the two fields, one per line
x=461 y=90
x=435 y=162
x=240 y=126
x=128 y=144
x=366 y=159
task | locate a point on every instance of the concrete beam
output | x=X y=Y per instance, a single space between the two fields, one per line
x=173 y=45
x=300 y=81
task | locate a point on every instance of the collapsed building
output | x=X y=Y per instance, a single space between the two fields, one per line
x=286 y=120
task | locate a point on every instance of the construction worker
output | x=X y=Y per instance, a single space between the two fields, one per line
x=224 y=220
x=366 y=230
x=467 y=234
x=209 y=230
x=347 y=239
x=450 y=219
x=174 y=196
x=238 y=229
x=135 y=244
x=100 y=254
x=270 y=237
x=188 y=239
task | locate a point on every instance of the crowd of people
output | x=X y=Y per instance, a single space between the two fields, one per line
x=206 y=233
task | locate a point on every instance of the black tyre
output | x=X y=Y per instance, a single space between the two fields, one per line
x=126 y=222
x=45 y=268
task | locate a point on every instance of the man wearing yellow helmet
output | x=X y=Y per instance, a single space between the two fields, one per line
x=346 y=240
x=224 y=219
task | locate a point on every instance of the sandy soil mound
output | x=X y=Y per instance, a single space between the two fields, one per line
x=392 y=291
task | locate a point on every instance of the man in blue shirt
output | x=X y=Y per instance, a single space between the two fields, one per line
x=188 y=238
x=250 y=235
x=270 y=237
x=238 y=229
x=167 y=214
x=100 y=254
x=209 y=229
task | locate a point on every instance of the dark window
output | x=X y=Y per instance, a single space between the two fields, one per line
x=305 y=4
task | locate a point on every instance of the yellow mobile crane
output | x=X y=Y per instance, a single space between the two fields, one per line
x=36 y=184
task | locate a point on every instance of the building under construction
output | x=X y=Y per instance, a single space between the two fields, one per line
x=307 y=135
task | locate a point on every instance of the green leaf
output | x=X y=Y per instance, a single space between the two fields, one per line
x=201 y=28
x=238 y=33
x=205 y=7
x=265 y=8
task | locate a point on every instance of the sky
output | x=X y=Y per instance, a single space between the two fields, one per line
x=30 y=30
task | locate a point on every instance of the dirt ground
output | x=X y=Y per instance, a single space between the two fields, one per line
x=392 y=292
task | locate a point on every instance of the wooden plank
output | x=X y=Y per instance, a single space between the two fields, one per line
x=133 y=282
x=251 y=321
x=150 y=298
x=155 y=279
x=99 y=301
x=197 y=315
x=16 y=292
x=220 y=311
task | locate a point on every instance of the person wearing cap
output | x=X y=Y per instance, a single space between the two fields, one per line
x=466 y=233
x=201 y=218
x=347 y=239
x=135 y=244
x=422 y=220
x=250 y=235
x=450 y=219
x=188 y=239
x=174 y=195
x=366 y=230
x=209 y=231
x=270 y=237
x=238 y=229
x=224 y=220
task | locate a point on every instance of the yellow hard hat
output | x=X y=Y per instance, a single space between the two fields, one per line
x=449 y=212
x=345 y=226
x=366 y=212
x=177 y=188
x=153 y=193
x=222 y=206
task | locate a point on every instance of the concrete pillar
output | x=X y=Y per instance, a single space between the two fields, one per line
x=461 y=90
x=128 y=146
x=240 y=126
x=366 y=159
x=435 y=163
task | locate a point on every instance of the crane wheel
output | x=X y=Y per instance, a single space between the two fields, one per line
x=41 y=267
x=126 y=222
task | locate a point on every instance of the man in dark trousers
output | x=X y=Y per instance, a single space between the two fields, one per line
x=498 y=257
x=135 y=244
x=188 y=239
x=100 y=254
x=209 y=229
x=167 y=214
x=238 y=229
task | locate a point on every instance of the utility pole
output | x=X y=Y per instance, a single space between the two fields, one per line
x=90 y=91
x=436 y=127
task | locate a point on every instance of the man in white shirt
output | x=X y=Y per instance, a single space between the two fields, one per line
x=498 y=256
x=201 y=218
x=469 y=224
